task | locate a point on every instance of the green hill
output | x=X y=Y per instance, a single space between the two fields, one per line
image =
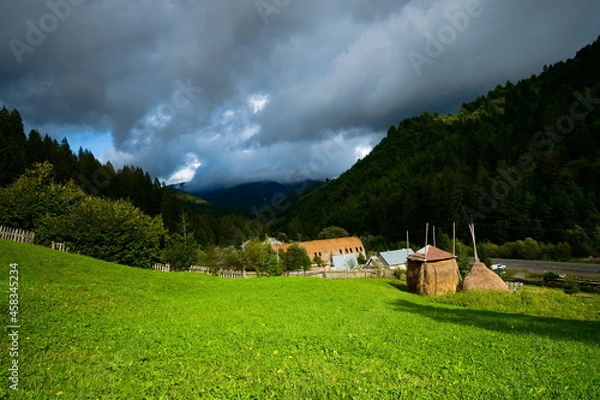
x=91 y=329
x=523 y=160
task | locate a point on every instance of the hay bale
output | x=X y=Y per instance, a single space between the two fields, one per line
x=432 y=278
x=482 y=278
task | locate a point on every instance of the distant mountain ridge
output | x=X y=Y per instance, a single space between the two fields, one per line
x=252 y=196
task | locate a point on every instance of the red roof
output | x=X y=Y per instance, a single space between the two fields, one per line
x=430 y=253
x=327 y=248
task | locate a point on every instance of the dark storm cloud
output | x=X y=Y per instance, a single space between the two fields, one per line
x=267 y=89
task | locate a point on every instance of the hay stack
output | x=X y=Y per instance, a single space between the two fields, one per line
x=482 y=278
x=431 y=272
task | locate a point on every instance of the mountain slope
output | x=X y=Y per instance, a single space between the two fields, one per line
x=495 y=159
x=252 y=196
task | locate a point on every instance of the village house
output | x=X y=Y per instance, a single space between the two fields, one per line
x=395 y=258
x=343 y=262
x=326 y=249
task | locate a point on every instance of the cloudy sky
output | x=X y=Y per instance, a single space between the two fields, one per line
x=220 y=92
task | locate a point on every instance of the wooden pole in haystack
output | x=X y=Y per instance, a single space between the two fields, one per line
x=426 y=233
x=472 y=229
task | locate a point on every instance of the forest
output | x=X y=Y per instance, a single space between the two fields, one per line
x=180 y=212
x=522 y=161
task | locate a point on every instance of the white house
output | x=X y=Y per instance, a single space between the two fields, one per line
x=343 y=262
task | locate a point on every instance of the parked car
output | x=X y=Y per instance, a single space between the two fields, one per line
x=499 y=269
x=552 y=275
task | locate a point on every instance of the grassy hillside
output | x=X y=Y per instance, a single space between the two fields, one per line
x=95 y=330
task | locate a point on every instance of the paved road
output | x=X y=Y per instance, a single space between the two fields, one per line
x=542 y=266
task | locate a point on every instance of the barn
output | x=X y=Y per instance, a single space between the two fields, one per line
x=326 y=249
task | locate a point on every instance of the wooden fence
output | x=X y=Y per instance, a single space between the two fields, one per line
x=316 y=273
x=161 y=267
x=59 y=246
x=225 y=273
x=347 y=274
x=23 y=236
x=17 y=235
x=515 y=287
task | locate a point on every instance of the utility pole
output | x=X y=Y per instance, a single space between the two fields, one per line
x=454 y=238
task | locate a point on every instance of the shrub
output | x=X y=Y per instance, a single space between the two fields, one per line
x=333 y=232
x=255 y=255
x=34 y=196
x=108 y=230
x=296 y=257
x=399 y=273
x=531 y=249
x=180 y=253
x=571 y=287
x=273 y=266
x=462 y=257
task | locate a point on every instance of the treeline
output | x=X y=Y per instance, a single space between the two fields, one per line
x=256 y=255
x=523 y=161
x=117 y=231
x=111 y=230
x=181 y=213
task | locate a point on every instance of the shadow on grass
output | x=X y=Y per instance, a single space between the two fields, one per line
x=400 y=286
x=553 y=328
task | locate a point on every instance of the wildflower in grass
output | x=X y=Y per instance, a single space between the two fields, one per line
x=279 y=371
x=276 y=352
x=59 y=393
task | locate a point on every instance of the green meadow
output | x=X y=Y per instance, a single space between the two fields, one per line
x=95 y=330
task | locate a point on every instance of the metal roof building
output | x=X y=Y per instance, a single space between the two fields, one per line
x=395 y=258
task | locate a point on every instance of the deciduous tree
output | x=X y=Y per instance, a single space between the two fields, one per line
x=296 y=257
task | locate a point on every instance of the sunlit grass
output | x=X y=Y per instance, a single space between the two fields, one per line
x=98 y=330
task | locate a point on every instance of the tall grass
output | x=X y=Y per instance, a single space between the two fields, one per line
x=92 y=330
